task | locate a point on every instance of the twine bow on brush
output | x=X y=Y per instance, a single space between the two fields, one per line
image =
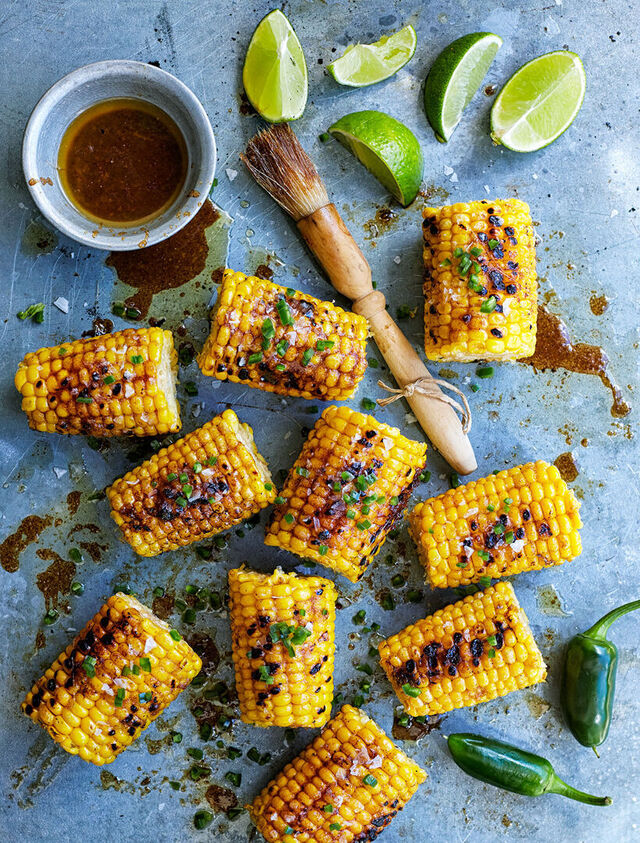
x=429 y=387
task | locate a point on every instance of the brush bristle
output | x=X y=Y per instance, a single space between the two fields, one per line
x=280 y=165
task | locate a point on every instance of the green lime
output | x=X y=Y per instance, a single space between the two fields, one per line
x=539 y=102
x=275 y=73
x=454 y=78
x=387 y=149
x=366 y=64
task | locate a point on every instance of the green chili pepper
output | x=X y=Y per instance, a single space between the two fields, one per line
x=589 y=680
x=510 y=768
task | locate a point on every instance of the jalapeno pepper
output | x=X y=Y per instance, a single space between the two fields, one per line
x=510 y=768
x=589 y=680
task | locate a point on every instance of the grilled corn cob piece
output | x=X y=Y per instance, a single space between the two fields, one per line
x=283 y=637
x=470 y=652
x=279 y=340
x=522 y=519
x=199 y=486
x=103 y=386
x=345 y=492
x=480 y=281
x=117 y=676
x=347 y=785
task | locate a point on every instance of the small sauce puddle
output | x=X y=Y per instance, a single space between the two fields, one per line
x=554 y=350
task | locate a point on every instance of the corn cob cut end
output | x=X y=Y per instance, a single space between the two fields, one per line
x=346 y=786
x=283 y=643
x=522 y=519
x=280 y=340
x=195 y=488
x=115 y=384
x=470 y=652
x=480 y=281
x=112 y=681
x=346 y=491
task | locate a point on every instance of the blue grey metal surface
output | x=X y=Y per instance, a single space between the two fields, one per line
x=583 y=191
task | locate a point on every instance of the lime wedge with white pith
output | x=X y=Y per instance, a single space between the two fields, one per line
x=387 y=149
x=366 y=64
x=275 y=72
x=454 y=78
x=539 y=102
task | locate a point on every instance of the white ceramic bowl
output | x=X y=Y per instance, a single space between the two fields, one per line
x=76 y=92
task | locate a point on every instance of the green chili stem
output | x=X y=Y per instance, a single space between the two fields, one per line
x=601 y=627
x=564 y=789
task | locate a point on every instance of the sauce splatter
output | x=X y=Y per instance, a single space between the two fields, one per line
x=28 y=531
x=550 y=603
x=598 y=304
x=205 y=647
x=567 y=466
x=38 y=240
x=56 y=579
x=73 y=502
x=163 y=606
x=414 y=729
x=554 y=350
x=221 y=799
x=99 y=327
x=166 y=265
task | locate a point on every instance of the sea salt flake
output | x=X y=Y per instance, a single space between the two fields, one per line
x=59 y=472
x=62 y=304
x=231 y=174
x=454 y=178
x=447 y=170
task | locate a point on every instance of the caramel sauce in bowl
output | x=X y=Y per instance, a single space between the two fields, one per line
x=119 y=155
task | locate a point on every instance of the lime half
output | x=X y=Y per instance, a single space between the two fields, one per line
x=366 y=64
x=387 y=149
x=275 y=73
x=454 y=78
x=539 y=102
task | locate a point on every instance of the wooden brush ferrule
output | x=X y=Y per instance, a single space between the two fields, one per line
x=331 y=242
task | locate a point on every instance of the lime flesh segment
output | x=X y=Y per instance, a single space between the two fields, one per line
x=275 y=72
x=539 y=102
x=454 y=78
x=366 y=64
x=386 y=147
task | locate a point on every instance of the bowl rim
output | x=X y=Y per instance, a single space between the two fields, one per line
x=125 y=239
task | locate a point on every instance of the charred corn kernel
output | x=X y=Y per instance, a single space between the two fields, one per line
x=346 y=786
x=91 y=701
x=279 y=340
x=480 y=281
x=470 y=652
x=191 y=490
x=522 y=519
x=103 y=386
x=283 y=638
x=345 y=492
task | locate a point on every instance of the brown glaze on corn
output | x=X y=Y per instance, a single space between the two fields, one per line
x=283 y=639
x=480 y=281
x=279 y=340
x=201 y=485
x=103 y=386
x=470 y=652
x=345 y=787
x=346 y=491
x=117 y=676
x=522 y=519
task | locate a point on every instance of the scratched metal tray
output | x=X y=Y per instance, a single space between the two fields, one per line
x=583 y=191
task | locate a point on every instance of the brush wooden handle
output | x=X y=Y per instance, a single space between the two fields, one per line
x=347 y=268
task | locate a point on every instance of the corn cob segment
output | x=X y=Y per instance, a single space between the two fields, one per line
x=103 y=386
x=283 y=638
x=346 y=786
x=470 y=652
x=346 y=491
x=201 y=485
x=480 y=281
x=117 y=676
x=522 y=519
x=279 y=340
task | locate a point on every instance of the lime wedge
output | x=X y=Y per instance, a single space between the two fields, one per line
x=454 y=78
x=539 y=102
x=366 y=64
x=387 y=149
x=275 y=73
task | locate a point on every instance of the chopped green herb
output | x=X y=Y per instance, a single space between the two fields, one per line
x=323 y=138
x=410 y=691
x=234 y=813
x=212 y=460
x=328 y=809
x=175 y=634
x=397 y=580
x=109 y=379
x=234 y=778
x=145 y=664
x=323 y=345
x=280 y=367
x=290 y=292
x=190 y=388
x=145 y=697
x=485 y=372
x=368 y=404
x=476 y=251
x=233 y=752
x=491 y=507
x=359 y=616
x=351 y=514
x=387 y=602
x=370 y=780
x=454 y=480
x=394 y=500
x=323 y=549
x=306 y=357
x=491 y=653
x=493 y=243
x=425 y=476
x=498 y=529
x=189 y=616
x=176 y=737
x=282 y=347
x=136 y=359
x=268 y=330
x=187 y=490
x=174 y=785
x=303 y=472
x=461 y=564
x=119 y=698
x=405 y=312
x=284 y=312
x=34 y=311
x=335 y=827
x=77 y=588
x=256 y=357
x=483 y=555
x=489 y=305
x=508 y=502
x=89 y=666
x=414 y=596
x=182 y=501
x=202 y=819
x=364 y=525
x=289 y=518
x=80 y=399
x=279 y=500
